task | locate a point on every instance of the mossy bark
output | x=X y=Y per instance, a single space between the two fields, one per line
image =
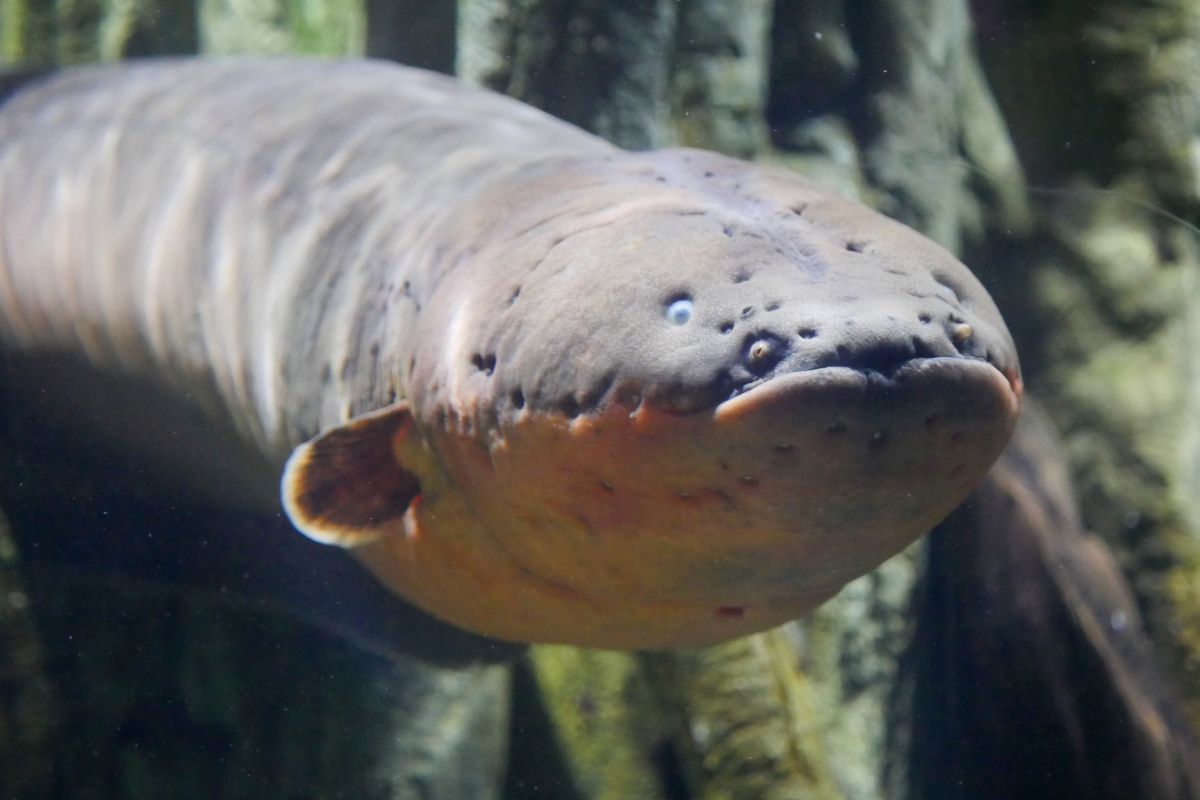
x=312 y=27
x=39 y=33
x=1101 y=98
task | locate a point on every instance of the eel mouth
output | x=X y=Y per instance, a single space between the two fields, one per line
x=767 y=361
x=940 y=374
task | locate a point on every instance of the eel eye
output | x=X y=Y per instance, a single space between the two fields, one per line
x=679 y=311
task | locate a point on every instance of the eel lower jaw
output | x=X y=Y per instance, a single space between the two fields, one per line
x=640 y=527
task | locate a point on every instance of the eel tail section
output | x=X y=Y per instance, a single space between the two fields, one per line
x=1030 y=651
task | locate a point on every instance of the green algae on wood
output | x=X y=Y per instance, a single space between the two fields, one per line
x=745 y=720
x=604 y=721
x=313 y=27
x=78 y=31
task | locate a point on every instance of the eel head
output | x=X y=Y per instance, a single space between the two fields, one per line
x=693 y=404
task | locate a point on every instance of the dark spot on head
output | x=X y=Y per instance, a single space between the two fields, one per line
x=725 y=327
x=569 y=406
x=854 y=247
x=747 y=312
x=727 y=230
x=742 y=275
x=708 y=173
x=599 y=390
x=925 y=317
x=808 y=333
x=799 y=209
x=731 y=612
x=518 y=398
x=484 y=363
x=512 y=298
x=896 y=271
x=660 y=178
x=772 y=306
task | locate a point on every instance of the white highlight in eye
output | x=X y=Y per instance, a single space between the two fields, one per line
x=679 y=312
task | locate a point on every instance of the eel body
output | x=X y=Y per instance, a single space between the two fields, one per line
x=543 y=388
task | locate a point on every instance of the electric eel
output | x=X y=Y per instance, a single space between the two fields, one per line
x=543 y=388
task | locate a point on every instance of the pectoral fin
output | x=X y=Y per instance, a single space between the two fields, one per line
x=348 y=486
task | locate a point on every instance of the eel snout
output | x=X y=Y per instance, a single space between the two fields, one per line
x=876 y=337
